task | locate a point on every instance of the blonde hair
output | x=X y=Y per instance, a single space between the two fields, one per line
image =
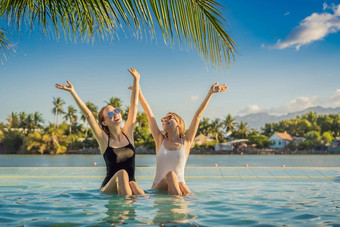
x=181 y=125
x=101 y=119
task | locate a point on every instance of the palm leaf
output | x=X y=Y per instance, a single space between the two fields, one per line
x=198 y=24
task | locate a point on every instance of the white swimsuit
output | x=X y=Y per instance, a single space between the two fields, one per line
x=169 y=160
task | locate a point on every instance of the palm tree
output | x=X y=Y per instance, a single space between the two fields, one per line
x=94 y=110
x=215 y=129
x=198 y=24
x=204 y=127
x=29 y=122
x=22 y=120
x=242 y=131
x=228 y=124
x=58 y=108
x=126 y=113
x=71 y=116
x=38 y=120
x=115 y=102
x=13 y=120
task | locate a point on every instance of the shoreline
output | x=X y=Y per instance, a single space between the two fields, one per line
x=95 y=151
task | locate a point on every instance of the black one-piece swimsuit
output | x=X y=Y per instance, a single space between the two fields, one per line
x=119 y=158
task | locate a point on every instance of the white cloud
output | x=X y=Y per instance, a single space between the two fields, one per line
x=297 y=104
x=193 y=98
x=249 y=110
x=335 y=98
x=287 y=13
x=312 y=28
x=324 y=6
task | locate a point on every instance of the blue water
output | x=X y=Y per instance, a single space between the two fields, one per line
x=221 y=196
x=193 y=160
x=230 y=195
x=77 y=202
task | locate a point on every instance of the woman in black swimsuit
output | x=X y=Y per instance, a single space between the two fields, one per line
x=114 y=142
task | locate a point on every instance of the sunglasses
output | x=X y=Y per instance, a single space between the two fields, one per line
x=112 y=113
x=168 y=118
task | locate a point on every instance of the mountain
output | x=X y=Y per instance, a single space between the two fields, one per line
x=257 y=120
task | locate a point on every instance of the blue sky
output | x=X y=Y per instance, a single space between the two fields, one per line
x=288 y=60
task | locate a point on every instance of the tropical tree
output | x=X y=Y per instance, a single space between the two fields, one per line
x=229 y=124
x=196 y=23
x=37 y=142
x=142 y=135
x=242 y=131
x=57 y=108
x=13 y=120
x=327 y=137
x=126 y=113
x=325 y=122
x=115 y=102
x=2 y=136
x=71 y=116
x=311 y=116
x=22 y=120
x=261 y=141
x=268 y=129
x=204 y=126
x=215 y=130
x=94 y=109
x=38 y=120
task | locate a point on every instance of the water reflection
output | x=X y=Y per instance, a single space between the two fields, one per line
x=172 y=209
x=120 y=209
x=156 y=209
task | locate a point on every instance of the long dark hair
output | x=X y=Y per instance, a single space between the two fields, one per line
x=101 y=118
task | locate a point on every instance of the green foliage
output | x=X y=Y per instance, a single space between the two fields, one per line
x=2 y=136
x=197 y=24
x=261 y=141
x=13 y=140
x=209 y=146
x=142 y=135
x=242 y=130
x=327 y=137
x=31 y=137
x=292 y=145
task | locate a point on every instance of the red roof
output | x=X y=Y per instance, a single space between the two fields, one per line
x=284 y=136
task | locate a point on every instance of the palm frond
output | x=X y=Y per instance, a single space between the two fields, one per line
x=198 y=24
x=4 y=44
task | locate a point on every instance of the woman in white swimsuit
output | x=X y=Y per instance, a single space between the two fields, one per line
x=173 y=148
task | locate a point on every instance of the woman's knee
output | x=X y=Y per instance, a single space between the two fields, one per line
x=133 y=184
x=122 y=173
x=171 y=175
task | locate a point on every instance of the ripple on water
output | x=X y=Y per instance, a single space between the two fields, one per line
x=307 y=216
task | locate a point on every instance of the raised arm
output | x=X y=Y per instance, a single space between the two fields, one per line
x=215 y=88
x=156 y=133
x=97 y=131
x=131 y=119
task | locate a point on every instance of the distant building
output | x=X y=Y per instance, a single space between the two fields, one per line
x=231 y=145
x=335 y=145
x=280 y=140
x=200 y=139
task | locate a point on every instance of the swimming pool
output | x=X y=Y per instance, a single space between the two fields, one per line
x=222 y=196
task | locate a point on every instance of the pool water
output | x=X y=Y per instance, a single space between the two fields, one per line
x=221 y=197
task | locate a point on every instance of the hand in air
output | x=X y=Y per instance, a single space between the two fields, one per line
x=134 y=73
x=215 y=88
x=66 y=88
